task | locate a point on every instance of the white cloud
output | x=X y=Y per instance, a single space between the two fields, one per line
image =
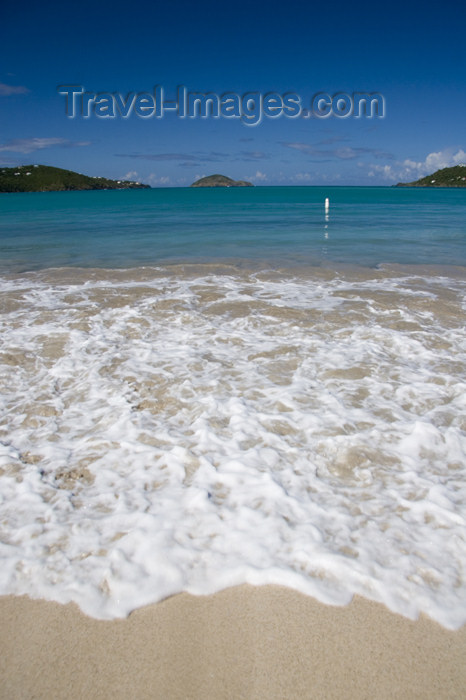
x=258 y=177
x=443 y=159
x=331 y=177
x=385 y=171
x=409 y=170
x=36 y=144
x=306 y=178
x=130 y=175
x=158 y=180
x=303 y=177
x=6 y=90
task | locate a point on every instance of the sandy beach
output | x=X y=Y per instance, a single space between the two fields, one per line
x=245 y=642
x=306 y=426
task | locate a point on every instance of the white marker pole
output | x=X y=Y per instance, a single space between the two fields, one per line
x=327 y=207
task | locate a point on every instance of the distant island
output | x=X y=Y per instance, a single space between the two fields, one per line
x=44 y=178
x=446 y=177
x=220 y=181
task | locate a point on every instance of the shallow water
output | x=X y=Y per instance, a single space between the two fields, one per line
x=197 y=426
x=365 y=226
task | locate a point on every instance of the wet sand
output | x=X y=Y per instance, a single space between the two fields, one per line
x=246 y=642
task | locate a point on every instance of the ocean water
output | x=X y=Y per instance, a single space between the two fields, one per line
x=205 y=388
x=278 y=225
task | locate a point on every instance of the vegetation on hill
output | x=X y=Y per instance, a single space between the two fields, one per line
x=220 y=181
x=446 y=177
x=44 y=178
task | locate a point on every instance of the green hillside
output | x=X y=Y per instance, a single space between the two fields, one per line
x=446 y=177
x=44 y=178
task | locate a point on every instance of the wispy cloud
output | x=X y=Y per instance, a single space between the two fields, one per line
x=314 y=154
x=252 y=155
x=37 y=144
x=350 y=152
x=6 y=90
x=332 y=139
x=307 y=148
x=186 y=158
x=409 y=170
x=199 y=157
x=342 y=153
x=307 y=178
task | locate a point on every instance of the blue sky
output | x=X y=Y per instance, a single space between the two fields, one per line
x=410 y=52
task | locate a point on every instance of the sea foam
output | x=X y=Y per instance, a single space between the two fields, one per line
x=189 y=430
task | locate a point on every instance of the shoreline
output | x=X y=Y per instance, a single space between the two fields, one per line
x=239 y=267
x=244 y=642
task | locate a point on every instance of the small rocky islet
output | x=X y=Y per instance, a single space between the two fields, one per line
x=220 y=181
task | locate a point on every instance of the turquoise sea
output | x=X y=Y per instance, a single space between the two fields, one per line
x=278 y=225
